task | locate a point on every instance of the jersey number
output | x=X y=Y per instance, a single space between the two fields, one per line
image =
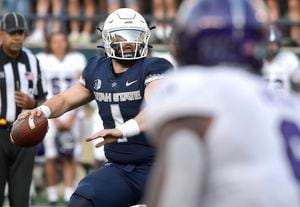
x=56 y=89
x=291 y=135
x=118 y=118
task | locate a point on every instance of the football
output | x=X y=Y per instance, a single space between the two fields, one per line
x=29 y=132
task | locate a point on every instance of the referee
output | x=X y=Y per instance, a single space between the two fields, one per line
x=21 y=87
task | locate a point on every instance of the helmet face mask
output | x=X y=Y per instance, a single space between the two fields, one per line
x=127 y=44
x=126 y=35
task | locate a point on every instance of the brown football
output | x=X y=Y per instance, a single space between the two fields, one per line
x=29 y=132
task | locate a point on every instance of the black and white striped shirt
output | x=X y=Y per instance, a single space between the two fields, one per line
x=20 y=74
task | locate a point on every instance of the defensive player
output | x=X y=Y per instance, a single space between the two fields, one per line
x=229 y=140
x=62 y=68
x=281 y=67
x=119 y=83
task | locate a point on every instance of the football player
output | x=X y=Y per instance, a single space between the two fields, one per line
x=229 y=140
x=119 y=83
x=62 y=68
x=281 y=67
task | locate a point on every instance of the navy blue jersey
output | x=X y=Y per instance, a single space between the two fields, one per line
x=119 y=98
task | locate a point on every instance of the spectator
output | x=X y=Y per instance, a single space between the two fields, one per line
x=273 y=6
x=116 y=4
x=293 y=13
x=164 y=11
x=21 y=6
x=83 y=37
x=42 y=26
x=294 y=16
x=62 y=68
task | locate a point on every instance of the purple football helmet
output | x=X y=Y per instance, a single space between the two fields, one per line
x=212 y=32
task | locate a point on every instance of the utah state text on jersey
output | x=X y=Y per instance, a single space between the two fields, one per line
x=118 y=97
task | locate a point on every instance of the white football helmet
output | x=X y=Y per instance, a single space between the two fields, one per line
x=125 y=35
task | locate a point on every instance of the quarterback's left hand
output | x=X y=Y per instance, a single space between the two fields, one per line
x=109 y=136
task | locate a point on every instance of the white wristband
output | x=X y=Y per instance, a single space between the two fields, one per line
x=129 y=128
x=46 y=110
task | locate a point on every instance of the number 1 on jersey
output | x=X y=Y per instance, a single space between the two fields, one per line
x=118 y=119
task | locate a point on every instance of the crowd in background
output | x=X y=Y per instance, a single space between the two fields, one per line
x=286 y=13
x=80 y=17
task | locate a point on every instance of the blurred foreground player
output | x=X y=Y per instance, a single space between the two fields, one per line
x=228 y=140
x=119 y=83
x=21 y=87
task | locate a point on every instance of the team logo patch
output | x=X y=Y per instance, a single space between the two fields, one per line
x=97 y=84
x=29 y=76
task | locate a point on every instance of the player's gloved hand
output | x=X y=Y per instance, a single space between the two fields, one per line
x=109 y=136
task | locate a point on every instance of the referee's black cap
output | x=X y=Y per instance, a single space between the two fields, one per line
x=12 y=22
